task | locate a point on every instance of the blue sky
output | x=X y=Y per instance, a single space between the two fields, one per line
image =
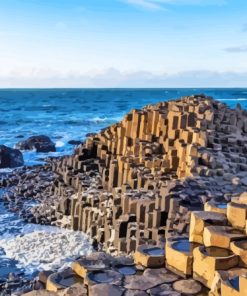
x=123 y=43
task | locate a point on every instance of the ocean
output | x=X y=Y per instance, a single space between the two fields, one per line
x=64 y=115
x=69 y=114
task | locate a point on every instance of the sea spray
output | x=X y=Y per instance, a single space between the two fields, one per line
x=45 y=248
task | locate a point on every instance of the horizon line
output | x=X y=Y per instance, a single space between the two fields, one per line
x=122 y=88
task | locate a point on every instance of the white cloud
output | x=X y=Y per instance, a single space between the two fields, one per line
x=147 y=4
x=236 y=49
x=114 y=78
x=162 y=4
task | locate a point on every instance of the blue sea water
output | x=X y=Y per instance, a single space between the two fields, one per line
x=69 y=114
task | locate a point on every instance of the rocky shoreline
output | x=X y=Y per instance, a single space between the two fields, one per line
x=156 y=179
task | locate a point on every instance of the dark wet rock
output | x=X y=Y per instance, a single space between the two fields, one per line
x=39 y=143
x=26 y=190
x=90 y=135
x=19 y=136
x=74 y=142
x=244 y=181
x=10 y=158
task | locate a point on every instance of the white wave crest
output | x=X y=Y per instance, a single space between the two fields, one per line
x=237 y=99
x=45 y=248
x=60 y=144
x=6 y=170
x=99 y=119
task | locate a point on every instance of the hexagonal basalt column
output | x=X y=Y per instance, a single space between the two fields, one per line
x=199 y=220
x=237 y=214
x=240 y=248
x=216 y=207
x=103 y=277
x=62 y=280
x=94 y=262
x=226 y=282
x=209 y=259
x=230 y=287
x=179 y=256
x=243 y=284
x=221 y=236
x=236 y=286
x=150 y=256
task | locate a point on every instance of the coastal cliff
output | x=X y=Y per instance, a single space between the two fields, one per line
x=155 y=179
x=137 y=180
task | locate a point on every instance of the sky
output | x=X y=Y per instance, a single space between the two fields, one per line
x=123 y=43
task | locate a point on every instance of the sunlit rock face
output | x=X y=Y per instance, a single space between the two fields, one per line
x=138 y=180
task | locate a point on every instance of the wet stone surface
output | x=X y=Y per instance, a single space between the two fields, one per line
x=182 y=245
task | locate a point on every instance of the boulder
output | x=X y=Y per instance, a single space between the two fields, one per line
x=74 y=142
x=39 y=143
x=10 y=158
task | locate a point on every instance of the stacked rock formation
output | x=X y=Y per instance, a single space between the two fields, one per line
x=167 y=184
x=137 y=181
x=102 y=275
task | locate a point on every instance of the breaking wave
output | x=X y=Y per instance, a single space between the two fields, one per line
x=45 y=247
x=237 y=99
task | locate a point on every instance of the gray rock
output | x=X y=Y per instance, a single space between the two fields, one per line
x=10 y=158
x=135 y=293
x=189 y=286
x=163 y=290
x=160 y=273
x=105 y=290
x=143 y=282
x=244 y=181
x=74 y=142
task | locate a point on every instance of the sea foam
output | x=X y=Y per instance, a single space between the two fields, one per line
x=45 y=248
